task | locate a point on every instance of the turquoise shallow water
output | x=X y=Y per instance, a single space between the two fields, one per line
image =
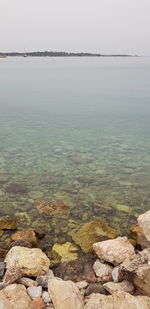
x=75 y=130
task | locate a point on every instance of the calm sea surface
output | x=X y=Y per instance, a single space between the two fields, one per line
x=75 y=130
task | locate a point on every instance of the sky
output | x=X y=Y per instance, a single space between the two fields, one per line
x=102 y=26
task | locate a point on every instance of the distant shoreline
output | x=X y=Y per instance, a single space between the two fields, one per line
x=59 y=54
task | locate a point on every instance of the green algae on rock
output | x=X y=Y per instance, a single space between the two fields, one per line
x=91 y=232
x=8 y=223
x=66 y=251
x=51 y=207
x=124 y=208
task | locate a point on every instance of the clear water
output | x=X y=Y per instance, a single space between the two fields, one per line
x=75 y=130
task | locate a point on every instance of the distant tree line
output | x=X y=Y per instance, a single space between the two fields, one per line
x=58 y=54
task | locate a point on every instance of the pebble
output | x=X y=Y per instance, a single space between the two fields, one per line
x=27 y=282
x=46 y=297
x=50 y=274
x=38 y=303
x=34 y=291
x=82 y=285
x=43 y=280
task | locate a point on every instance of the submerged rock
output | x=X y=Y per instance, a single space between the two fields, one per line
x=29 y=262
x=16 y=188
x=35 y=194
x=28 y=235
x=20 y=243
x=77 y=270
x=51 y=207
x=91 y=232
x=67 y=251
x=8 y=223
x=114 y=251
x=65 y=294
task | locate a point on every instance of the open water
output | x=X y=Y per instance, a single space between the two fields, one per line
x=75 y=130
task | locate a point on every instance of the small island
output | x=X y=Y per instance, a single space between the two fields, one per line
x=60 y=54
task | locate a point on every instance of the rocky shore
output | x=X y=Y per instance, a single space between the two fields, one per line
x=113 y=274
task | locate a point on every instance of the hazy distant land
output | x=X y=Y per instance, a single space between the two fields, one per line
x=59 y=54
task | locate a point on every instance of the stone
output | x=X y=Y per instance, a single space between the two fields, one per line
x=11 y=276
x=51 y=207
x=34 y=291
x=82 y=284
x=50 y=273
x=20 y=243
x=38 y=303
x=125 y=286
x=117 y=275
x=138 y=234
x=65 y=251
x=119 y=300
x=28 y=235
x=35 y=194
x=5 y=303
x=139 y=270
x=27 y=282
x=102 y=271
x=46 y=297
x=28 y=261
x=99 y=301
x=65 y=294
x=114 y=251
x=144 y=223
x=91 y=232
x=16 y=188
x=17 y=296
x=43 y=280
x=95 y=288
x=8 y=223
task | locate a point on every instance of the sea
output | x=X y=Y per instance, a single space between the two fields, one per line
x=75 y=130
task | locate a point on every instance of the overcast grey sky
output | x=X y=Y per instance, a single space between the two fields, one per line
x=105 y=26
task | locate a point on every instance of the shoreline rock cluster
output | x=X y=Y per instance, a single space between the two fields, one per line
x=117 y=278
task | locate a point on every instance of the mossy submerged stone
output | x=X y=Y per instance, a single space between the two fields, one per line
x=91 y=232
x=8 y=223
x=66 y=251
x=51 y=207
x=124 y=208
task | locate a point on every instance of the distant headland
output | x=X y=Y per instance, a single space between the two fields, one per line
x=59 y=54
